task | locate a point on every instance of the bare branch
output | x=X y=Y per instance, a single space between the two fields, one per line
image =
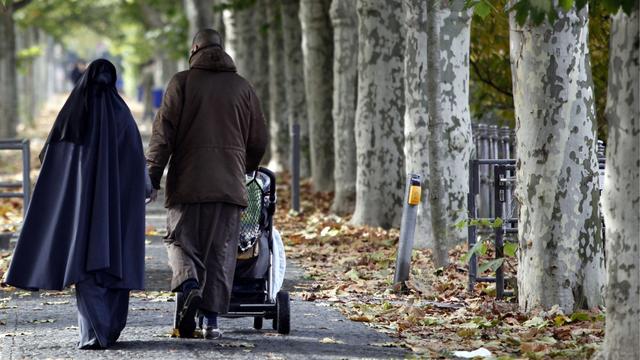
x=487 y=80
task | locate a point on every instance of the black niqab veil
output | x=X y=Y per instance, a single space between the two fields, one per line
x=86 y=217
x=71 y=122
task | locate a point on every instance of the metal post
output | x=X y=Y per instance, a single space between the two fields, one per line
x=295 y=167
x=472 y=214
x=499 y=174
x=505 y=134
x=493 y=154
x=483 y=153
x=26 y=175
x=407 y=228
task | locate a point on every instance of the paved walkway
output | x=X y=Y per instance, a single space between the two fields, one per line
x=44 y=325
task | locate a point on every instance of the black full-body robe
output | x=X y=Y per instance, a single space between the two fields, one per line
x=85 y=223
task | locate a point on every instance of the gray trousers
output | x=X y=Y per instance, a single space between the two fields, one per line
x=102 y=313
x=202 y=243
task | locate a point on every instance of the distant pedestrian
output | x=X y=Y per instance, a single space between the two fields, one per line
x=76 y=73
x=85 y=224
x=211 y=131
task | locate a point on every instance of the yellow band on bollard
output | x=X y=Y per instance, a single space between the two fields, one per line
x=415 y=192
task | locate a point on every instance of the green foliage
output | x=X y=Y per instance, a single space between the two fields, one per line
x=25 y=57
x=141 y=25
x=482 y=8
x=510 y=249
x=539 y=10
x=491 y=98
x=493 y=265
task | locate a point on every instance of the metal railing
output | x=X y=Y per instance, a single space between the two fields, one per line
x=22 y=145
x=492 y=177
x=502 y=231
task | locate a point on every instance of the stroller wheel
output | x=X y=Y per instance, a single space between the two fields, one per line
x=283 y=313
x=257 y=322
x=275 y=323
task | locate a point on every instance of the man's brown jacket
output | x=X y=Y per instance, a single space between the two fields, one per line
x=210 y=129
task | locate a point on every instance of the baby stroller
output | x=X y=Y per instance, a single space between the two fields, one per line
x=255 y=293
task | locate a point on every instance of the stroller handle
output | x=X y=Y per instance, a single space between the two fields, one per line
x=272 y=183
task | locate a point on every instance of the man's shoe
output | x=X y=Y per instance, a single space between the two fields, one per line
x=187 y=320
x=211 y=333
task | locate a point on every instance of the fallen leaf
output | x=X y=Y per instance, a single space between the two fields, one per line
x=329 y=340
x=235 y=344
x=61 y=302
x=360 y=318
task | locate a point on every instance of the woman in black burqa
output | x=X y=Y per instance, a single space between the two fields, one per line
x=85 y=224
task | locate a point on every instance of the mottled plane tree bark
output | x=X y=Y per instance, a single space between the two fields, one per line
x=561 y=259
x=416 y=131
x=344 y=19
x=294 y=79
x=317 y=51
x=278 y=117
x=437 y=187
x=621 y=196
x=455 y=37
x=379 y=122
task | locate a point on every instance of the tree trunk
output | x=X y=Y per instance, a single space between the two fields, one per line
x=200 y=15
x=344 y=18
x=229 y=33
x=379 y=115
x=278 y=117
x=218 y=18
x=261 y=55
x=245 y=45
x=416 y=132
x=317 y=50
x=455 y=37
x=561 y=258
x=294 y=79
x=437 y=182
x=8 y=85
x=622 y=190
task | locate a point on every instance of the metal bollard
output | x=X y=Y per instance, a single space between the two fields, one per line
x=407 y=228
x=295 y=167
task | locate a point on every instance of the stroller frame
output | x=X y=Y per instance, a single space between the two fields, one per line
x=278 y=310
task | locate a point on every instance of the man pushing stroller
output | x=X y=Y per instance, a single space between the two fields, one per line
x=211 y=131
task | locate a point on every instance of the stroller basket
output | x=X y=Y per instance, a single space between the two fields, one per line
x=254 y=219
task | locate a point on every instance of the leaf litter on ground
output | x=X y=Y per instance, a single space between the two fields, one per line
x=352 y=267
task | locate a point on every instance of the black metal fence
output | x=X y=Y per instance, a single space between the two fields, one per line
x=491 y=201
x=25 y=184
